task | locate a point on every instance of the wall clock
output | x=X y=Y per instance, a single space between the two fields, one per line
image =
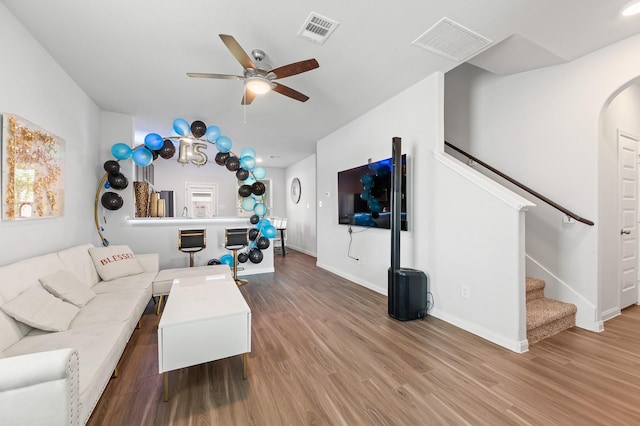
x=295 y=190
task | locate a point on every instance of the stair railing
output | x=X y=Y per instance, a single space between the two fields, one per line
x=522 y=186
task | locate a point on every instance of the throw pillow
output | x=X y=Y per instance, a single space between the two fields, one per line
x=114 y=262
x=66 y=286
x=40 y=309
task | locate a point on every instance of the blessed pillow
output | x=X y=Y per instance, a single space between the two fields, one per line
x=114 y=262
x=66 y=286
x=40 y=309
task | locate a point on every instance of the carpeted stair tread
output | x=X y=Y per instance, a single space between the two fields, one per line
x=543 y=311
x=550 y=329
x=534 y=288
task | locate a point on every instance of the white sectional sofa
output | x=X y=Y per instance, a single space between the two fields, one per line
x=57 y=377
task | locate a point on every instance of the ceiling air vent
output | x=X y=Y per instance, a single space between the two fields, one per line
x=452 y=40
x=317 y=28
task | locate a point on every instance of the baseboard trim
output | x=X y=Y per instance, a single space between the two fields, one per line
x=355 y=279
x=513 y=345
x=254 y=271
x=301 y=250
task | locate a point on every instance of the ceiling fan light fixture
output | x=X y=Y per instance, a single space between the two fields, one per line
x=258 y=85
x=632 y=8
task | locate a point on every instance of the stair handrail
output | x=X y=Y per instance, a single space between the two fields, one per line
x=522 y=186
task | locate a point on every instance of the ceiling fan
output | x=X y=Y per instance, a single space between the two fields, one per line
x=258 y=75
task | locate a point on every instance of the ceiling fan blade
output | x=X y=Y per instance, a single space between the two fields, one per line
x=220 y=76
x=237 y=51
x=295 y=68
x=248 y=97
x=288 y=91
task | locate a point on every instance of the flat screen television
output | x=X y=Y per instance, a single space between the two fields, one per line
x=364 y=195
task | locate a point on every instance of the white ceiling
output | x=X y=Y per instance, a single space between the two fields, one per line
x=131 y=56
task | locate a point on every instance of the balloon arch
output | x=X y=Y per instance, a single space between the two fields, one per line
x=194 y=137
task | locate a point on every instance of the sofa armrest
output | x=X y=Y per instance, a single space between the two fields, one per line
x=150 y=262
x=40 y=388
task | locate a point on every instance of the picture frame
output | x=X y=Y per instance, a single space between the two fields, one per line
x=32 y=171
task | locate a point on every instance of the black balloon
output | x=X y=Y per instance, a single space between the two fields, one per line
x=155 y=153
x=198 y=129
x=242 y=174
x=255 y=255
x=112 y=167
x=254 y=219
x=232 y=163
x=111 y=201
x=118 y=181
x=168 y=150
x=253 y=234
x=244 y=190
x=258 y=188
x=222 y=157
x=214 y=262
x=243 y=257
x=263 y=243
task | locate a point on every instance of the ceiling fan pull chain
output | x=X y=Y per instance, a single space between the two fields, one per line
x=244 y=113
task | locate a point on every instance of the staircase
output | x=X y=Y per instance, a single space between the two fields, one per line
x=546 y=317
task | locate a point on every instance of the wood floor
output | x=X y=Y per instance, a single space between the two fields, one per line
x=324 y=352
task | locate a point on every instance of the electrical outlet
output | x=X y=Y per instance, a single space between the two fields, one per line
x=465 y=292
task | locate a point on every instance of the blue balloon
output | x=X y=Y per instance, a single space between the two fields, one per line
x=223 y=143
x=364 y=196
x=181 y=126
x=226 y=259
x=247 y=163
x=107 y=185
x=259 y=173
x=366 y=178
x=269 y=231
x=248 y=203
x=142 y=157
x=260 y=209
x=212 y=133
x=263 y=223
x=153 y=141
x=374 y=205
x=249 y=181
x=121 y=151
x=248 y=152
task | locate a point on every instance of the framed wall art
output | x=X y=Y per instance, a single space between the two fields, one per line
x=32 y=171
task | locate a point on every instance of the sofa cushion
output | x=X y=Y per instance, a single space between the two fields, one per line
x=66 y=286
x=19 y=276
x=99 y=349
x=78 y=261
x=114 y=262
x=40 y=309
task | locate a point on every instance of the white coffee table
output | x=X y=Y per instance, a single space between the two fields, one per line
x=205 y=319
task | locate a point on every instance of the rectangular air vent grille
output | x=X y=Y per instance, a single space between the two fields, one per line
x=317 y=28
x=452 y=40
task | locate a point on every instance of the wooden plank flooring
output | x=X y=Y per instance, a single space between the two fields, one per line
x=325 y=352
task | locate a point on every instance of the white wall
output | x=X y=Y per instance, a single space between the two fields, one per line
x=33 y=86
x=623 y=113
x=411 y=115
x=543 y=128
x=463 y=228
x=301 y=217
x=171 y=176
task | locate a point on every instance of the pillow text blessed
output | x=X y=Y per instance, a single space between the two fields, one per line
x=114 y=262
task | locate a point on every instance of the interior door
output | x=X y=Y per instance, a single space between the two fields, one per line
x=628 y=208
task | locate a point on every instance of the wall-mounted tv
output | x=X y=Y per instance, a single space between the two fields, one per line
x=364 y=195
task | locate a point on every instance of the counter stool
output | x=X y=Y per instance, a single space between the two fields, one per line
x=192 y=241
x=236 y=239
